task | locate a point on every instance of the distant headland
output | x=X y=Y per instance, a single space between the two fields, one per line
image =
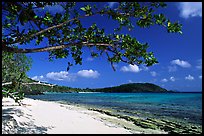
x=41 y=87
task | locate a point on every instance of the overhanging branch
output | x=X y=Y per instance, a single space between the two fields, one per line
x=50 y=28
x=49 y=48
x=59 y=25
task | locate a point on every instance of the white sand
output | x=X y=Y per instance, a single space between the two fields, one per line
x=38 y=116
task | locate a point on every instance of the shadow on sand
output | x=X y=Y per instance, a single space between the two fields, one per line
x=10 y=125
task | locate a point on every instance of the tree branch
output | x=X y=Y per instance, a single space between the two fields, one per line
x=49 y=28
x=57 y=26
x=49 y=48
x=118 y=55
x=111 y=62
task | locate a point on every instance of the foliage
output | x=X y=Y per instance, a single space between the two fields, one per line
x=14 y=68
x=24 y=22
x=124 y=88
x=37 y=89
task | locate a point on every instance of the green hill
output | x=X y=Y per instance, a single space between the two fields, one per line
x=36 y=89
x=124 y=88
x=133 y=88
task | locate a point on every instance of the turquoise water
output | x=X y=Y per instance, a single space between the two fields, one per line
x=179 y=106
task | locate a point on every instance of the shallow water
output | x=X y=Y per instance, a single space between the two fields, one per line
x=183 y=107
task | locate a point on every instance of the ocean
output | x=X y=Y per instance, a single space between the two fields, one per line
x=180 y=107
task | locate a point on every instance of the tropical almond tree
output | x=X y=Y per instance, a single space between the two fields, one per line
x=23 y=22
x=66 y=35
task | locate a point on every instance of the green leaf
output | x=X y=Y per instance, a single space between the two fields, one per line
x=8 y=25
x=83 y=8
x=162 y=4
x=8 y=17
x=93 y=54
x=88 y=7
x=38 y=42
x=169 y=23
x=117 y=37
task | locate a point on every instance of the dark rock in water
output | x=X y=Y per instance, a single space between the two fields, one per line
x=172 y=127
x=193 y=127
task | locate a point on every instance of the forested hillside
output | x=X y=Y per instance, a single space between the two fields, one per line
x=133 y=88
x=125 y=88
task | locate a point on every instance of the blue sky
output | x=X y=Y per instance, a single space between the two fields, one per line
x=179 y=56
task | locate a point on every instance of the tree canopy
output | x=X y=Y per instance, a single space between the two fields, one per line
x=23 y=22
x=14 y=68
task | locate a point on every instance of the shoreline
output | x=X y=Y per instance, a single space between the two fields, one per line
x=57 y=117
x=45 y=117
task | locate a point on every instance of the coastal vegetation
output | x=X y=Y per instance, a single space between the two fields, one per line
x=124 y=88
x=133 y=88
x=66 y=35
x=14 y=68
x=30 y=27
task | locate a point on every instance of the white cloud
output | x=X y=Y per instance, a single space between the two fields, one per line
x=153 y=81
x=90 y=59
x=172 y=79
x=51 y=9
x=88 y=73
x=189 y=77
x=172 y=68
x=112 y=4
x=36 y=78
x=60 y=76
x=164 y=80
x=153 y=73
x=190 y=9
x=200 y=77
x=163 y=85
x=130 y=68
x=115 y=65
x=199 y=65
x=181 y=63
x=145 y=68
x=54 y=9
x=65 y=76
x=39 y=78
x=130 y=81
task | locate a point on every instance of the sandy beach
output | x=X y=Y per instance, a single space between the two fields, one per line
x=36 y=116
x=49 y=117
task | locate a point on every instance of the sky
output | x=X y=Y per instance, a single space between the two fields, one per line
x=179 y=55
